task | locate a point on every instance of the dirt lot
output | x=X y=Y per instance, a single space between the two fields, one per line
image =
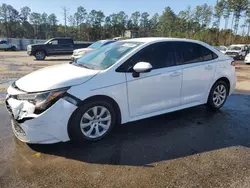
x=189 y=148
x=16 y=64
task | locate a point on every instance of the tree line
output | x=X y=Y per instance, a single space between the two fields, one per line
x=202 y=22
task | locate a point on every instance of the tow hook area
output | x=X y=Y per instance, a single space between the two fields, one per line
x=20 y=109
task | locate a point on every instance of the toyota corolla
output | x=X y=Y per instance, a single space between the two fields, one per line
x=118 y=83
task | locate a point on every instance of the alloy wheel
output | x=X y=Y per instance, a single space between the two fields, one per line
x=95 y=122
x=219 y=95
x=40 y=55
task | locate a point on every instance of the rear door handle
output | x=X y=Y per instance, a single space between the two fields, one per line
x=209 y=67
x=174 y=74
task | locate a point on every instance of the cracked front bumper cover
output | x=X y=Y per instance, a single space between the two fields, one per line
x=47 y=127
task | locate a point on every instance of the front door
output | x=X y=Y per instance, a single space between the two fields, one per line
x=156 y=90
x=53 y=47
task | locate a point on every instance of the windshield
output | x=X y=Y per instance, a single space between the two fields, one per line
x=96 y=45
x=106 y=56
x=47 y=41
x=222 y=48
x=235 y=48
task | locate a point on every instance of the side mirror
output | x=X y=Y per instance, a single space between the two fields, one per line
x=141 y=67
x=50 y=43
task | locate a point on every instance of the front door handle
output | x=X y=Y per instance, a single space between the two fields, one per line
x=174 y=74
x=209 y=67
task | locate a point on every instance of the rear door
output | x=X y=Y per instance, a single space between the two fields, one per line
x=66 y=46
x=198 y=64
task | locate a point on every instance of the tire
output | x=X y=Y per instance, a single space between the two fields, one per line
x=40 y=55
x=79 y=127
x=13 y=48
x=219 y=93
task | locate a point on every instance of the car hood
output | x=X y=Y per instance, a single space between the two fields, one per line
x=54 y=77
x=83 y=50
x=36 y=45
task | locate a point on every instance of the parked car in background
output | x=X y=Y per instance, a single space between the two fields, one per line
x=247 y=59
x=237 y=51
x=222 y=49
x=118 y=83
x=80 y=52
x=5 y=45
x=54 y=47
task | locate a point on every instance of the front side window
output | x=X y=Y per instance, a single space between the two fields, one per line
x=106 y=56
x=3 y=42
x=159 y=55
x=54 y=42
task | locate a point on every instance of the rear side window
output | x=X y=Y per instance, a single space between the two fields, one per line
x=65 y=41
x=187 y=52
x=159 y=55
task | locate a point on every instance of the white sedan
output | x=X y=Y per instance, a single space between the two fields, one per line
x=119 y=83
x=82 y=51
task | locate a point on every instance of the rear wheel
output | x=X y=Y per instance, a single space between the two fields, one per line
x=92 y=121
x=40 y=55
x=218 y=95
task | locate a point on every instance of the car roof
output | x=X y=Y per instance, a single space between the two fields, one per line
x=107 y=40
x=159 y=39
x=55 y=38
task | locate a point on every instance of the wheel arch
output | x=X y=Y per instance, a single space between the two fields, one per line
x=40 y=49
x=99 y=97
x=225 y=79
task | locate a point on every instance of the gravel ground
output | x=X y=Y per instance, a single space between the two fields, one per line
x=189 y=148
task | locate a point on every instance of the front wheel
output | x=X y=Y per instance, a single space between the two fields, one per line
x=13 y=48
x=218 y=95
x=92 y=121
x=40 y=55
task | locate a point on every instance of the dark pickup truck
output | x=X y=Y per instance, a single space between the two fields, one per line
x=53 y=47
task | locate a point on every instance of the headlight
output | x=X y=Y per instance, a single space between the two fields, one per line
x=43 y=100
x=80 y=53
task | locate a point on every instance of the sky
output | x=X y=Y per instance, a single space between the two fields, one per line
x=107 y=6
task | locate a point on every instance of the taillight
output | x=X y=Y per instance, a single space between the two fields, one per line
x=233 y=63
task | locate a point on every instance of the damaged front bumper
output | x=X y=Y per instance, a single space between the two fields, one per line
x=48 y=127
